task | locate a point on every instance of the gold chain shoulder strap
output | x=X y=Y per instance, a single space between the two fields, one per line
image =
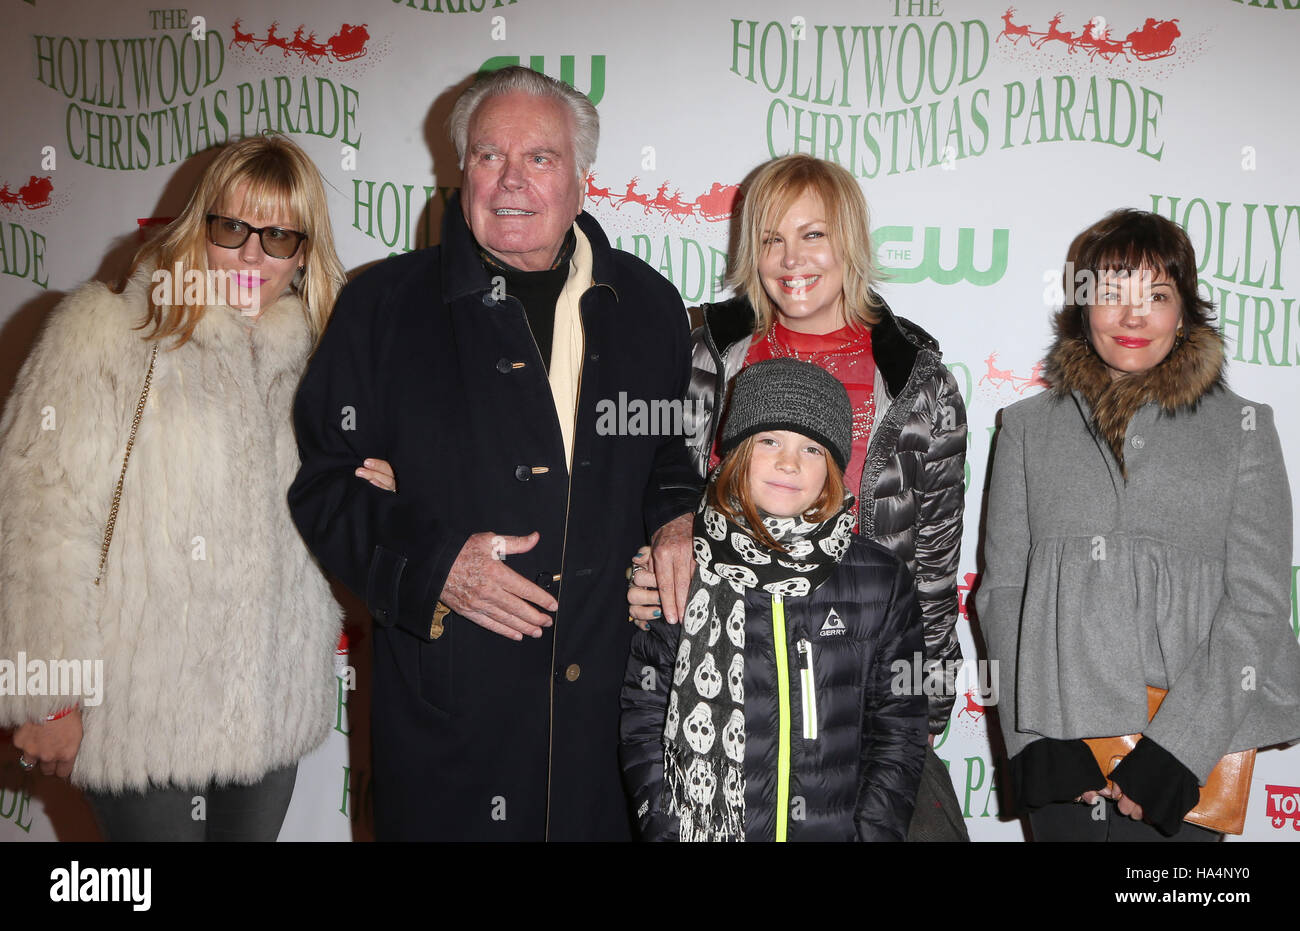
x=130 y=442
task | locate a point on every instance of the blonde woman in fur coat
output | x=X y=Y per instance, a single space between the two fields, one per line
x=1139 y=534
x=206 y=645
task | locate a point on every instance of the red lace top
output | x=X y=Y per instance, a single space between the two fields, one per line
x=844 y=353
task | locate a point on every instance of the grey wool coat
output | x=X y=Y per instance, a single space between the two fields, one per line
x=215 y=628
x=1140 y=534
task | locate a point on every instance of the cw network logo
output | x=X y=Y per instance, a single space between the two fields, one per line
x=596 y=83
x=894 y=244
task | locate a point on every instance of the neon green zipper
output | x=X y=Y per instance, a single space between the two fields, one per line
x=783 y=728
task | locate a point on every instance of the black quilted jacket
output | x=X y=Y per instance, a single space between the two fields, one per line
x=853 y=741
x=913 y=487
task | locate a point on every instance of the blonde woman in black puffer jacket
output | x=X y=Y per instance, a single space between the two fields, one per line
x=803 y=276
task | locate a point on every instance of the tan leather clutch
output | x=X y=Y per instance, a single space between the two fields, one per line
x=1223 y=797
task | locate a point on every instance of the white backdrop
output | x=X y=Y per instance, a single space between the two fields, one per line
x=984 y=138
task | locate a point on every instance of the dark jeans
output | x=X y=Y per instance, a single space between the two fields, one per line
x=1075 y=821
x=228 y=812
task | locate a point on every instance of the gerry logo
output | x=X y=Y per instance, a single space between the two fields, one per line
x=538 y=64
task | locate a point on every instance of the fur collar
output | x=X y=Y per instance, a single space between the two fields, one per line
x=282 y=329
x=1191 y=371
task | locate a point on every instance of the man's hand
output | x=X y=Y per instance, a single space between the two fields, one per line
x=482 y=588
x=52 y=744
x=672 y=557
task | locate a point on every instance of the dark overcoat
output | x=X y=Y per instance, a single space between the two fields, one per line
x=475 y=736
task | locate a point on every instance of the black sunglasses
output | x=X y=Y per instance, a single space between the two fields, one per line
x=277 y=242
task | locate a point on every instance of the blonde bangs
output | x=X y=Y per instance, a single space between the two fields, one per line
x=281 y=183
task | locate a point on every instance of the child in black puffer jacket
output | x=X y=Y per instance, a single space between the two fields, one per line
x=780 y=708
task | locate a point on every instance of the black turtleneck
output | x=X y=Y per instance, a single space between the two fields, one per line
x=538 y=292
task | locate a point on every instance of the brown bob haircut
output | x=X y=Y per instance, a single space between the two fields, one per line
x=1129 y=240
x=767 y=198
x=279 y=177
x=729 y=493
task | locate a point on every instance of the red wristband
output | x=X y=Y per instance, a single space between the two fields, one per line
x=61 y=714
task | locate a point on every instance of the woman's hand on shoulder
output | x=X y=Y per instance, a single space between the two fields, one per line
x=51 y=744
x=378 y=473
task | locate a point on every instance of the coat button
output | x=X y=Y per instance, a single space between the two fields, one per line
x=523 y=473
x=503 y=366
x=594 y=357
x=572 y=672
x=1138 y=442
x=489 y=300
x=438 y=625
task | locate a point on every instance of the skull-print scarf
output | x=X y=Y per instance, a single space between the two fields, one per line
x=704 y=734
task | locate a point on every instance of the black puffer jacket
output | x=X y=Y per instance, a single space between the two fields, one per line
x=913 y=486
x=855 y=764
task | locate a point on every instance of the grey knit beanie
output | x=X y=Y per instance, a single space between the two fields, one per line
x=786 y=394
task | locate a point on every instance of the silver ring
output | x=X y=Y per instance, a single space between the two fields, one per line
x=25 y=764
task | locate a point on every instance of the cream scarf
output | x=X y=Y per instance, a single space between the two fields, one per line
x=567 y=342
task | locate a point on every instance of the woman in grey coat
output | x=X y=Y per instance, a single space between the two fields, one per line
x=1139 y=534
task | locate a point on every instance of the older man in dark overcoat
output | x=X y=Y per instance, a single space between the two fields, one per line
x=485 y=370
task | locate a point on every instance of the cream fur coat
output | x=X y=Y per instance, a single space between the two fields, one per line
x=215 y=626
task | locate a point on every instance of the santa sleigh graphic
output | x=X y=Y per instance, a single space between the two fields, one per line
x=349 y=42
x=713 y=206
x=345 y=45
x=33 y=195
x=718 y=203
x=1154 y=40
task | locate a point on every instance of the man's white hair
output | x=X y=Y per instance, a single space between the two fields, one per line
x=518 y=79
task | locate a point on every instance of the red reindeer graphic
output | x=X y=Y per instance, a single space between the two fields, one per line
x=973 y=707
x=1035 y=379
x=678 y=209
x=670 y=206
x=8 y=197
x=660 y=202
x=272 y=40
x=997 y=377
x=296 y=44
x=313 y=49
x=1054 y=33
x=244 y=39
x=1100 y=43
x=597 y=194
x=631 y=195
x=1013 y=32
